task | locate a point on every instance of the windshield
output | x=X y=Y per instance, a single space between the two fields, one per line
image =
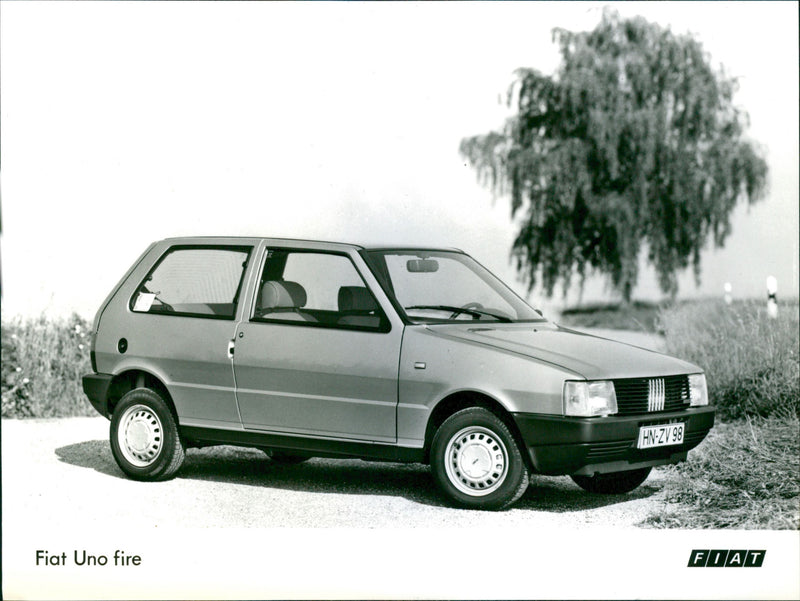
x=442 y=286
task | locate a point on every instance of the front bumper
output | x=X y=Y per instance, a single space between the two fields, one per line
x=96 y=387
x=589 y=445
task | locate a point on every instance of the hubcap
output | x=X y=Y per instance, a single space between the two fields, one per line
x=140 y=435
x=476 y=461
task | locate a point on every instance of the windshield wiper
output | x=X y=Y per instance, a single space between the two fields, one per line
x=458 y=310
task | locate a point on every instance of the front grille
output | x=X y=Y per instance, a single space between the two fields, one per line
x=651 y=395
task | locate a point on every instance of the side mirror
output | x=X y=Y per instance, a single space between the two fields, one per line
x=422 y=265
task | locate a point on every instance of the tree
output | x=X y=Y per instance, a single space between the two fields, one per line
x=635 y=141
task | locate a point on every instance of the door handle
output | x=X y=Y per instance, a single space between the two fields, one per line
x=231 y=347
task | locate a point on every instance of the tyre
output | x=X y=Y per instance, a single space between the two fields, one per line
x=144 y=437
x=285 y=458
x=613 y=483
x=476 y=461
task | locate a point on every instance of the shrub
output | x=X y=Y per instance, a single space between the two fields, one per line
x=752 y=362
x=43 y=360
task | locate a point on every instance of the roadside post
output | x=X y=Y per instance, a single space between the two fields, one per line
x=772 y=300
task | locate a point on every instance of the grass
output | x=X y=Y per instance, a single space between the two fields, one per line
x=639 y=316
x=747 y=472
x=743 y=476
x=752 y=362
x=43 y=360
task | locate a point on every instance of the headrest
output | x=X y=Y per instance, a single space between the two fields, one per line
x=356 y=298
x=282 y=294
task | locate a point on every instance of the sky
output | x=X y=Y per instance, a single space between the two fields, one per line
x=123 y=123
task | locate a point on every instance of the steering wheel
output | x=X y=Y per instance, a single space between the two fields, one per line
x=465 y=308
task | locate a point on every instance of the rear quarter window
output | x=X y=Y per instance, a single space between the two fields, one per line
x=191 y=281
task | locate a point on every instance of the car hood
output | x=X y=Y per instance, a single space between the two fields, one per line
x=589 y=356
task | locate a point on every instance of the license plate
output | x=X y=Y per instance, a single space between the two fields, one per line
x=660 y=436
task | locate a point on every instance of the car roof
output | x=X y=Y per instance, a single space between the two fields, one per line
x=316 y=244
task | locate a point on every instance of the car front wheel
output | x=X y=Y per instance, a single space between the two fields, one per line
x=613 y=483
x=144 y=436
x=476 y=462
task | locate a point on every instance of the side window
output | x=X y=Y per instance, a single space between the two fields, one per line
x=201 y=282
x=316 y=289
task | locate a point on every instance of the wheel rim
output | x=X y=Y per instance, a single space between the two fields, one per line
x=476 y=461
x=140 y=435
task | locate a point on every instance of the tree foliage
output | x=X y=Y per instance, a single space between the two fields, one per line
x=634 y=142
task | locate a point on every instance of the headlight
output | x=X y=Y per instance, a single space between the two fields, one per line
x=588 y=399
x=698 y=392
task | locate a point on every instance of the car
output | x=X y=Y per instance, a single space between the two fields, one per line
x=321 y=349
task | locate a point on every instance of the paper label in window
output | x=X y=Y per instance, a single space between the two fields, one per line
x=144 y=301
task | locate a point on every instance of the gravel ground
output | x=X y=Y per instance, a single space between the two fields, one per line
x=61 y=471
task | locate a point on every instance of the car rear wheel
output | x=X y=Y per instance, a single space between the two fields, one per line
x=144 y=436
x=476 y=461
x=613 y=483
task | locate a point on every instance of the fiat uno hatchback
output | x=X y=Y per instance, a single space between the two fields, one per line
x=306 y=349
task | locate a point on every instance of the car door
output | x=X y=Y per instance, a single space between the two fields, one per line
x=318 y=356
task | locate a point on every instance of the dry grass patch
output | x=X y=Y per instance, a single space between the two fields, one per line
x=746 y=475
